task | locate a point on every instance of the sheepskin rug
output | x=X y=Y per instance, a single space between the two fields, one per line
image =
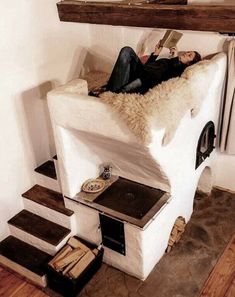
x=165 y=105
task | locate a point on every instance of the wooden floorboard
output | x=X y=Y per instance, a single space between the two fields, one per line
x=9 y=283
x=231 y=290
x=13 y=286
x=221 y=282
x=25 y=290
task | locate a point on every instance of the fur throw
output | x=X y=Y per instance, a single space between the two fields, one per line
x=166 y=104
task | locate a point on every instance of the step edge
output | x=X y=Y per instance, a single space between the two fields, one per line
x=37 y=242
x=6 y=262
x=12 y=237
x=58 y=209
x=39 y=237
x=48 y=213
x=44 y=188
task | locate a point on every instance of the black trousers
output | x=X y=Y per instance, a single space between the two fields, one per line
x=126 y=72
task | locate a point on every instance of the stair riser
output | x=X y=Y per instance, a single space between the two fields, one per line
x=37 y=242
x=57 y=173
x=47 y=182
x=50 y=214
x=36 y=279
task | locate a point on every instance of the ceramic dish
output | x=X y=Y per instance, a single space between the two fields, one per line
x=93 y=185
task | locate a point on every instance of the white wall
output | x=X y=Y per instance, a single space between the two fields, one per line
x=37 y=53
x=225 y=172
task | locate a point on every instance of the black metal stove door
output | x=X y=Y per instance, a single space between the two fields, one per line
x=113 y=235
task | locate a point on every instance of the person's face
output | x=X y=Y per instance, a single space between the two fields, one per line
x=186 y=57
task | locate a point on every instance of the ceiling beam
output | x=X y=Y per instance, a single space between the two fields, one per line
x=184 y=17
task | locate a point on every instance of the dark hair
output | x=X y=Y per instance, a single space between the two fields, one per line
x=196 y=59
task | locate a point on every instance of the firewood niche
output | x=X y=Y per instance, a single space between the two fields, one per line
x=173 y=14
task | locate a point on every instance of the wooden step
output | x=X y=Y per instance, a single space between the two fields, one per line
x=24 y=259
x=47 y=169
x=47 y=198
x=39 y=227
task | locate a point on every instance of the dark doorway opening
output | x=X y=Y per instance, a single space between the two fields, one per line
x=205 y=143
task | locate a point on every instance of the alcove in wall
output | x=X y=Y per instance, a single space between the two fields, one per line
x=205 y=182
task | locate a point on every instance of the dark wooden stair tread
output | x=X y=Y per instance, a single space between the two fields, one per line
x=24 y=254
x=39 y=227
x=48 y=198
x=48 y=169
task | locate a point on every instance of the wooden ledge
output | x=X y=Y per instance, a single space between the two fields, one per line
x=217 y=18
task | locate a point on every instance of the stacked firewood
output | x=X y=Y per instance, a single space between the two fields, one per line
x=73 y=259
x=176 y=233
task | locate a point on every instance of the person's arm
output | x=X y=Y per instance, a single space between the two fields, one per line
x=155 y=54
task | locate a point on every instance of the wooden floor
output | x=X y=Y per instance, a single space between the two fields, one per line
x=13 y=286
x=221 y=282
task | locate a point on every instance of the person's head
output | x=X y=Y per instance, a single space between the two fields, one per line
x=189 y=58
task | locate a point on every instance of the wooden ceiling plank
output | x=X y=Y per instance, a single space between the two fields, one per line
x=184 y=17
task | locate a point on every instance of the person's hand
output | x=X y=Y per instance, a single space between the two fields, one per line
x=173 y=52
x=158 y=49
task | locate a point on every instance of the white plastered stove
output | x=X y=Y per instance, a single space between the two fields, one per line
x=88 y=134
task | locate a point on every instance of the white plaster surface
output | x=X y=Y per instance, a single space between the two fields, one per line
x=103 y=140
x=49 y=214
x=206 y=181
x=77 y=138
x=37 y=242
x=225 y=172
x=87 y=221
x=47 y=182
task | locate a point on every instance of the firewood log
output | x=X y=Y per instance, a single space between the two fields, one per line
x=70 y=257
x=73 y=242
x=70 y=266
x=60 y=255
x=82 y=264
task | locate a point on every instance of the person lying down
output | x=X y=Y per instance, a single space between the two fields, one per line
x=130 y=75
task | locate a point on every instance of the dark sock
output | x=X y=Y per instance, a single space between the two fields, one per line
x=97 y=91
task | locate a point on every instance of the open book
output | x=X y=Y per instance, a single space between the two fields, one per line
x=170 y=39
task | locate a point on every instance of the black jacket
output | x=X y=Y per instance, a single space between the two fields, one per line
x=156 y=71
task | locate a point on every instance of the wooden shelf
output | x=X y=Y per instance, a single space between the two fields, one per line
x=217 y=18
